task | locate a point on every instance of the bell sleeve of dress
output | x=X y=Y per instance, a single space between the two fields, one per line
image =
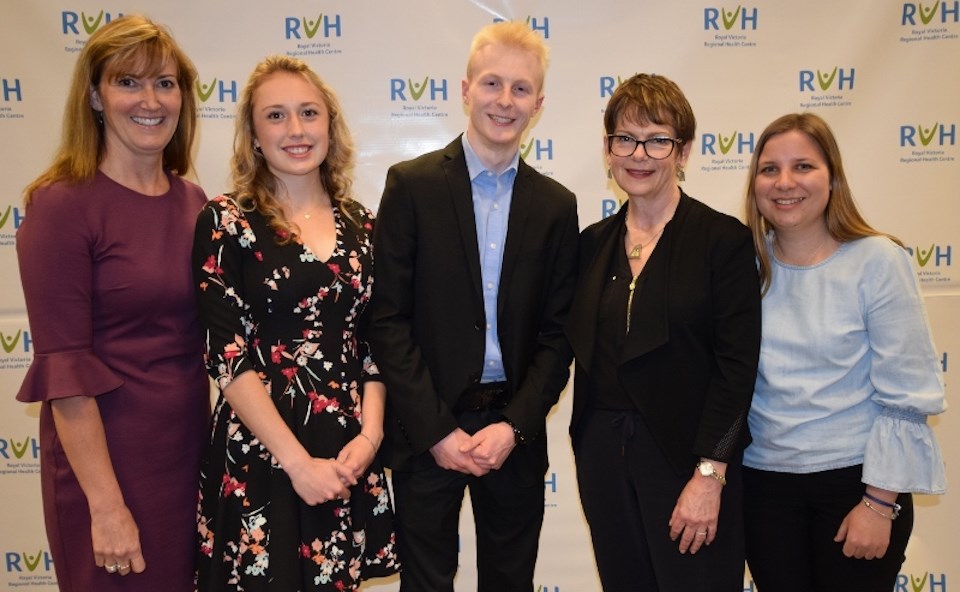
x=221 y=238
x=56 y=250
x=901 y=452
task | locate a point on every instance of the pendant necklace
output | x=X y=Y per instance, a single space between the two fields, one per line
x=636 y=252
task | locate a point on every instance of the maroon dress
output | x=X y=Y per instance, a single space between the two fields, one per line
x=109 y=293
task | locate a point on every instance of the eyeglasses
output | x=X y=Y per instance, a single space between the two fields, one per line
x=657 y=148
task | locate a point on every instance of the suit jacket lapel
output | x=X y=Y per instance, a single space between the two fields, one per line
x=461 y=195
x=521 y=206
x=582 y=326
x=652 y=308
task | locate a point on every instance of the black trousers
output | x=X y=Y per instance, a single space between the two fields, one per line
x=791 y=520
x=508 y=514
x=628 y=491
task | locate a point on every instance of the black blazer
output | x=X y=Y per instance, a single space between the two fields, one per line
x=690 y=364
x=427 y=324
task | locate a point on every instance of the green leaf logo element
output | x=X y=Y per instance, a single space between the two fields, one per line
x=205 y=94
x=3 y=219
x=925 y=138
x=729 y=18
x=825 y=82
x=918 y=584
x=312 y=28
x=32 y=562
x=922 y=258
x=19 y=451
x=525 y=149
x=926 y=17
x=417 y=92
x=9 y=344
x=726 y=144
x=90 y=24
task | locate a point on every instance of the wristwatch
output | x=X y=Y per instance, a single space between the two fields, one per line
x=706 y=469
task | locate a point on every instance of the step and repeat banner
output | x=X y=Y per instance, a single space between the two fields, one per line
x=885 y=74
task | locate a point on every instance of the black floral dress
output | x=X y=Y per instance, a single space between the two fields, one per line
x=293 y=319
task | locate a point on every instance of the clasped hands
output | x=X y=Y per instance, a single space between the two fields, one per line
x=320 y=480
x=478 y=454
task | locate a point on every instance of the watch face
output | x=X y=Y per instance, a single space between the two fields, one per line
x=706 y=469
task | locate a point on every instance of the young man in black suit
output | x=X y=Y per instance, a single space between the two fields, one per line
x=475 y=265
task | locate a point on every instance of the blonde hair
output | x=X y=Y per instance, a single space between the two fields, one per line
x=129 y=44
x=254 y=185
x=509 y=34
x=843 y=220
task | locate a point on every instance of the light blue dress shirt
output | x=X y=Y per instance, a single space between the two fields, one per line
x=848 y=371
x=492 y=194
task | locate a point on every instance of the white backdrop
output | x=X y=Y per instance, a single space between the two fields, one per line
x=885 y=74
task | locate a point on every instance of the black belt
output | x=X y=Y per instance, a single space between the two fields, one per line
x=483 y=396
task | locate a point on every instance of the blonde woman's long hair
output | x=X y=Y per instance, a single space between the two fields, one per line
x=255 y=187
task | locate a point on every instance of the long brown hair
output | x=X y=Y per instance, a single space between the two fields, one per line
x=131 y=43
x=255 y=187
x=843 y=219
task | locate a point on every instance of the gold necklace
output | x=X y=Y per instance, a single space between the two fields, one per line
x=636 y=251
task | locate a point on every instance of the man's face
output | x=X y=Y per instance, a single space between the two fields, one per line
x=501 y=96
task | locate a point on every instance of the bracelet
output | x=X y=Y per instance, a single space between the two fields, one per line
x=367 y=438
x=517 y=434
x=894 y=507
x=893 y=515
x=877 y=500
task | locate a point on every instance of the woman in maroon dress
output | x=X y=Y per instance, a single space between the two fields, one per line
x=104 y=257
x=291 y=496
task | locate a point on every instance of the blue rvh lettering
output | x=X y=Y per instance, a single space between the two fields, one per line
x=438 y=89
x=10 y=88
x=225 y=91
x=397 y=86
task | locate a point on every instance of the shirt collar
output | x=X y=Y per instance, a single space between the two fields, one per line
x=475 y=167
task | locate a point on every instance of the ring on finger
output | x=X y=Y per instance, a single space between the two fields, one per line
x=702 y=533
x=123 y=567
x=111 y=568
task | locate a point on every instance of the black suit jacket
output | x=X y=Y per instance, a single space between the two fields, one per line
x=690 y=362
x=427 y=324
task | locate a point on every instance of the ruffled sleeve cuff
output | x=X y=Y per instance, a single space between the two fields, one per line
x=902 y=455
x=67 y=374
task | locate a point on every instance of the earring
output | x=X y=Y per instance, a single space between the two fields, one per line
x=257 y=149
x=609 y=173
x=681 y=175
x=99 y=116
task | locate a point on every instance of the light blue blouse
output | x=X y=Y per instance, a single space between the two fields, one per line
x=848 y=371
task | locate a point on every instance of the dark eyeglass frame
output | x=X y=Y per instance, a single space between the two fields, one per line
x=674 y=142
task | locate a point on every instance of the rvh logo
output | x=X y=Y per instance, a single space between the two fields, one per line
x=537 y=24
x=11 y=449
x=400 y=89
x=20 y=561
x=938 y=134
x=89 y=23
x=824 y=79
x=327 y=25
x=941 y=12
x=710 y=143
x=741 y=17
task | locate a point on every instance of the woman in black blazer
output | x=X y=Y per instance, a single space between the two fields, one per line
x=665 y=326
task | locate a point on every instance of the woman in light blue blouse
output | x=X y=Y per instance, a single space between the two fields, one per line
x=848 y=376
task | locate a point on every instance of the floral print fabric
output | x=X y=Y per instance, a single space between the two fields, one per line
x=283 y=312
